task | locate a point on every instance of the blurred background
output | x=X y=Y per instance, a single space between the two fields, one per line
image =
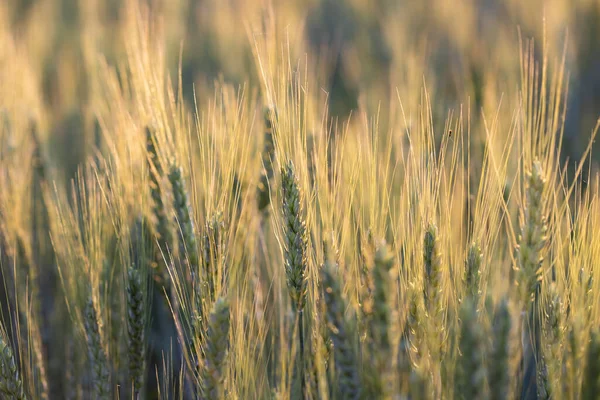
x=365 y=57
x=465 y=52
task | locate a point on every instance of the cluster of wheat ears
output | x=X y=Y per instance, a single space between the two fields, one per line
x=254 y=247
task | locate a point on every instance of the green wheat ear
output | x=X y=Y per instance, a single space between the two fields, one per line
x=498 y=362
x=136 y=326
x=268 y=156
x=470 y=370
x=345 y=358
x=376 y=320
x=381 y=312
x=433 y=295
x=380 y=318
x=295 y=257
x=473 y=271
x=10 y=382
x=163 y=227
x=215 y=351
x=188 y=248
x=591 y=378
x=433 y=265
x=553 y=336
x=532 y=240
x=419 y=385
x=295 y=237
x=213 y=247
x=404 y=365
x=529 y=256
x=98 y=359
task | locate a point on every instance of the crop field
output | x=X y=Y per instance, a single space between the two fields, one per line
x=300 y=199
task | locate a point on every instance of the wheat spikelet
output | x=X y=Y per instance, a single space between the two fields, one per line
x=294 y=237
x=433 y=266
x=433 y=303
x=213 y=245
x=295 y=256
x=97 y=355
x=136 y=326
x=381 y=311
x=163 y=226
x=188 y=249
x=498 y=363
x=344 y=354
x=268 y=157
x=471 y=372
x=403 y=363
x=11 y=385
x=552 y=342
x=473 y=271
x=215 y=351
x=532 y=240
x=378 y=320
x=413 y=322
x=591 y=379
x=419 y=387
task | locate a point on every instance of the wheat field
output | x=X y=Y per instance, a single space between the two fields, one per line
x=322 y=199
